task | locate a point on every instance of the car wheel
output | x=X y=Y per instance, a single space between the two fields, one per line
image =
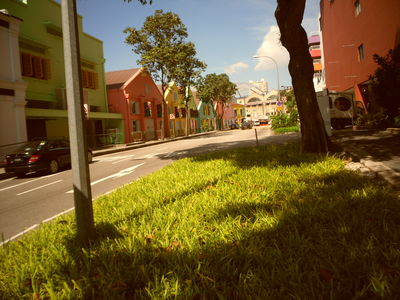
x=90 y=157
x=54 y=166
x=20 y=174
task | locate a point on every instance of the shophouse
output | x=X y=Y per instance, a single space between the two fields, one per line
x=352 y=31
x=41 y=67
x=134 y=94
x=206 y=115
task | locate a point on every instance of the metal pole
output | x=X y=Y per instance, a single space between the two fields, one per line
x=255 y=130
x=76 y=124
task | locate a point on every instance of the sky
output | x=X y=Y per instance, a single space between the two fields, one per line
x=226 y=33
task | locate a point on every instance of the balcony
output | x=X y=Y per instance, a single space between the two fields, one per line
x=315 y=53
x=314 y=39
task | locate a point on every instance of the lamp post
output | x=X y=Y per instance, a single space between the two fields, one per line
x=277 y=72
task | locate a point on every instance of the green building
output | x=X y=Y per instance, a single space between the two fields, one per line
x=42 y=68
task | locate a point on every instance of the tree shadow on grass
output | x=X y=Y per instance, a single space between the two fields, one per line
x=331 y=239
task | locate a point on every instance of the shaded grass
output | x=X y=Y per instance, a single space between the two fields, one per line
x=252 y=223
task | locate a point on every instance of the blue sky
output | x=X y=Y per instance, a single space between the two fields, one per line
x=227 y=33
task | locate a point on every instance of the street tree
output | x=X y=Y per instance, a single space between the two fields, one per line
x=187 y=74
x=219 y=89
x=289 y=15
x=158 y=43
x=386 y=82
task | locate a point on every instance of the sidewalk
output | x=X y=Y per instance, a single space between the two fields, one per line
x=373 y=153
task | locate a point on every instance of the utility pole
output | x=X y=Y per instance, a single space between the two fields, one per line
x=76 y=124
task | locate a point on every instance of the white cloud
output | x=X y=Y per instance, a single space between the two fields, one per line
x=236 y=68
x=272 y=47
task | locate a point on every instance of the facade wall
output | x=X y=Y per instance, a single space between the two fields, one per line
x=376 y=28
x=12 y=87
x=42 y=57
x=137 y=101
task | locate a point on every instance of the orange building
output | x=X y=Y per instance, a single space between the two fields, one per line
x=352 y=31
x=134 y=94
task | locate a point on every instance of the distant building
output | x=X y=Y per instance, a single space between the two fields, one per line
x=259 y=102
x=134 y=94
x=352 y=31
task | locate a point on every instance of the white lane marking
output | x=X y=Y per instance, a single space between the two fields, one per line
x=116 y=175
x=9 y=179
x=39 y=187
x=19 y=184
x=19 y=234
x=121 y=160
x=152 y=155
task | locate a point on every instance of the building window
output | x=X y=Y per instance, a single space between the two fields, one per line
x=159 y=111
x=361 y=52
x=357 y=6
x=135 y=108
x=35 y=66
x=90 y=80
x=147 y=109
x=135 y=125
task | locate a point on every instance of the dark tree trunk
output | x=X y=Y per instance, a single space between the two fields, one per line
x=289 y=15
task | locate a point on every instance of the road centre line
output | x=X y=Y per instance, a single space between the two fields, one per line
x=39 y=187
x=115 y=175
x=19 y=184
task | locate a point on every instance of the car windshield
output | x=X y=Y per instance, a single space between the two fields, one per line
x=31 y=146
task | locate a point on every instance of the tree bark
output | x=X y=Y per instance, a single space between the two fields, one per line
x=289 y=15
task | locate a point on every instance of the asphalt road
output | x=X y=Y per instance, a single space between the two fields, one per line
x=26 y=202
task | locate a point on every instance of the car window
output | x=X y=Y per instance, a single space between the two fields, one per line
x=30 y=146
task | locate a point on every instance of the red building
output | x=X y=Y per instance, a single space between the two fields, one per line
x=134 y=94
x=352 y=31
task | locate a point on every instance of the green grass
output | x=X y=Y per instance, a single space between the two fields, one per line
x=282 y=130
x=252 y=223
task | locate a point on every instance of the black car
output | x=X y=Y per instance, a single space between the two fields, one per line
x=48 y=155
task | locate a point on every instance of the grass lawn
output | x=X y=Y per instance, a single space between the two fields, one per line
x=251 y=223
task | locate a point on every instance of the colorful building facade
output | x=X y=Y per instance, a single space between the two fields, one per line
x=352 y=31
x=134 y=94
x=41 y=59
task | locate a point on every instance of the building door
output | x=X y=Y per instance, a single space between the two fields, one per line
x=36 y=128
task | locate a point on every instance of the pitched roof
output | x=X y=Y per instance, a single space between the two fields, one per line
x=116 y=79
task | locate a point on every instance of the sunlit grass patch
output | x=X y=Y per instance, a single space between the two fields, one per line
x=261 y=222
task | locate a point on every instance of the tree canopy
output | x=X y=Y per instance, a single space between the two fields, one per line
x=386 y=82
x=160 y=42
x=217 y=88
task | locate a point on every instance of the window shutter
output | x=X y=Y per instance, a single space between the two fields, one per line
x=95 y=81
x=37 y=67
x=85 y=79
x=26 y=62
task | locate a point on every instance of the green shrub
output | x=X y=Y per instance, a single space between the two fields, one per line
x=285 y=120
x=372 y=120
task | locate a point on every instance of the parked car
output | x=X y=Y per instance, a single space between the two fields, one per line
x=246 y=124
x=41 y=155
x=256 y=122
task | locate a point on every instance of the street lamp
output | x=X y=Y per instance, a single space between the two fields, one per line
x=277 y=72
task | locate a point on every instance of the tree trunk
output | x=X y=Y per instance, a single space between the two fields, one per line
x=289 y=15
